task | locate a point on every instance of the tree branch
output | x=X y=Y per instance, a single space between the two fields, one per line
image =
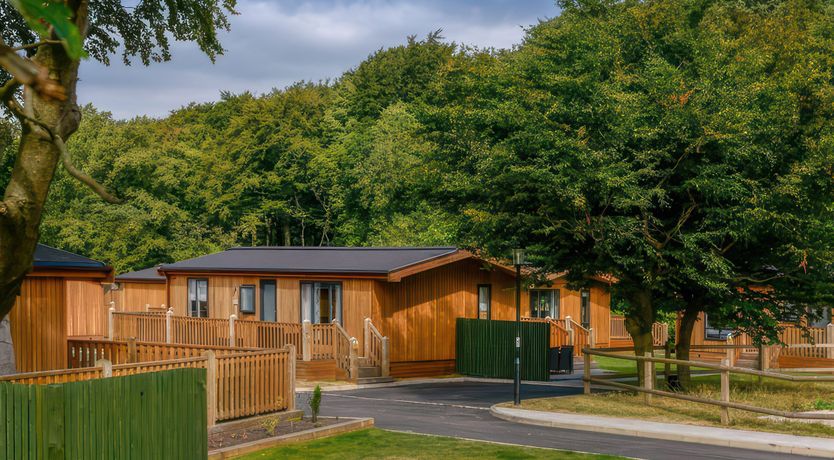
x=80 y=175
x=37 y=44
x=66 y=159
x=28 y=73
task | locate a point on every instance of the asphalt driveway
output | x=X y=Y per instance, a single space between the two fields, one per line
x=461 y=409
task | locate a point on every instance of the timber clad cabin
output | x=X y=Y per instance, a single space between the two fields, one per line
x=62 y=296
x=412 y=295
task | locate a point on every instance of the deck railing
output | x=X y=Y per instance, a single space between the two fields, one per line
x=345 y=351
x=85 y=352
x=238 y=384
x=376 y=348
x=618 y=331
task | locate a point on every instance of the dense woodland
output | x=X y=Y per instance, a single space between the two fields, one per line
x=684 y=147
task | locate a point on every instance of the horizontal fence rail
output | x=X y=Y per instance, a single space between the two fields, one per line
x=240 y=383
x=647 y=388
x=84 y=352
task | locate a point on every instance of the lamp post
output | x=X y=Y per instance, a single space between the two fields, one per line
x=518 y=261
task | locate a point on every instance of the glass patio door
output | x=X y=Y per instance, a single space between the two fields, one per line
x=321 y=303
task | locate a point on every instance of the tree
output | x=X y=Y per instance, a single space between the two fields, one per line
x=663 y=143
x=40 y=91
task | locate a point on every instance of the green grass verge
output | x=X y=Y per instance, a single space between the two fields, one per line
x=374 y=443
x=623 y=366
x=771 y=393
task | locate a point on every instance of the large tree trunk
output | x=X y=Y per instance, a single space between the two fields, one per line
x=37 y=158
x=639 y=322
x=684 y=341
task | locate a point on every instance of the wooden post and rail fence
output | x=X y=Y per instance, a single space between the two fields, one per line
x=648 y=387
x=314 y=341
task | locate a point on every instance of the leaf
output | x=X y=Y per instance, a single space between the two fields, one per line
x=39 y=13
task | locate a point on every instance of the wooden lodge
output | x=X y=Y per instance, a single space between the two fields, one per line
x=61 y=296
x=409 y=296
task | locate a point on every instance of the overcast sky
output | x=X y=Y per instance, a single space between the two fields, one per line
x=275 y=43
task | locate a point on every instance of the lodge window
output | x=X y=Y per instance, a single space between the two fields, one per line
x=544 y=302
x=321 y=302
x=198 y=297
x=585 y=308
x=714 y=331
x=823 y=318
x=484 y=301
x=247 y=298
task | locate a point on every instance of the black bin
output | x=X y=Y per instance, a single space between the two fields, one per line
x=561 y=359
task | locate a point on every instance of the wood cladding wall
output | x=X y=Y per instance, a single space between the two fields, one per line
x=135 y=296
x=38 y=323
x=86 y=308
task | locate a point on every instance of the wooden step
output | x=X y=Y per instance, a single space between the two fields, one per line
x=320 y=369
x=369 y=371
x=367 y=380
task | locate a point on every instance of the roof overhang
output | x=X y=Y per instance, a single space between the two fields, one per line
x=104 y=273
x=439 y=261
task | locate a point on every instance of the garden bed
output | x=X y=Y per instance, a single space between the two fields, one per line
x=263 y=428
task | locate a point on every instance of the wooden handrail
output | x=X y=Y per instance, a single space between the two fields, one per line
x=342 y=349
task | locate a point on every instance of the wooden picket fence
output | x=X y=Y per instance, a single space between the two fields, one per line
x=152 y=415
x=239 y=383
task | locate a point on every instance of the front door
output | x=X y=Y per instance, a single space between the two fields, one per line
x=321 y=302
x=269 y=311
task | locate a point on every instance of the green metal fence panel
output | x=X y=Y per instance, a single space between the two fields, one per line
x=486 y=348
x=155 y=415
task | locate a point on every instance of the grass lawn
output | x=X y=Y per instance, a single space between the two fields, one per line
x=624 y=366
x=775 y=394
x=376 y=443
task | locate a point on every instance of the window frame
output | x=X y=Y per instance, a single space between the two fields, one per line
x=721 y=336
x=555 y=305
x=254 y=299
x=338 y=313
x=488 y=301
x=191 y=307
x=585 y=308
x=274 y=284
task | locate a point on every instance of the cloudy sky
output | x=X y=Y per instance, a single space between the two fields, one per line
x=275 y=43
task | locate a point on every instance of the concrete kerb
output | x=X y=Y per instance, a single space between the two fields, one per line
x=350 y=424
x=726 y=437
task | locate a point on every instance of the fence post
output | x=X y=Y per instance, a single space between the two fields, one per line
x=731 y=352
x=386 y=362
x=725 y=392
x=306 y=340
x=648 y=377
x=829 y=340
x=132 y=355
x=232 y=319
x=168 y=318
x=354 y=359
x=147 y=307
x=591 y=338
x=667 y=353
x=586 y=371
x=106 y=368
x=570 y=329
x=367 y=337
x=291 y=375
x=110 y=324
x=211 y=387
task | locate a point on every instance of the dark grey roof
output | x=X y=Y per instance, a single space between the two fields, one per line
x=49 y=257
x=146 y=274
x=294 y=259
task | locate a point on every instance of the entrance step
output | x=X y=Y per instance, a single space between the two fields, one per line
x=369 y=371
x=367 y=380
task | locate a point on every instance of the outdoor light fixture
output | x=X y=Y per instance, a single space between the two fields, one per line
x=518 y=257
x=518 y=261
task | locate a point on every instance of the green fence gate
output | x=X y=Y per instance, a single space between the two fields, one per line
x=486 y=348
x=157 y=415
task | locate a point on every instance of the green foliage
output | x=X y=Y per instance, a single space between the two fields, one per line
x=315 y=403
x=42 y=15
